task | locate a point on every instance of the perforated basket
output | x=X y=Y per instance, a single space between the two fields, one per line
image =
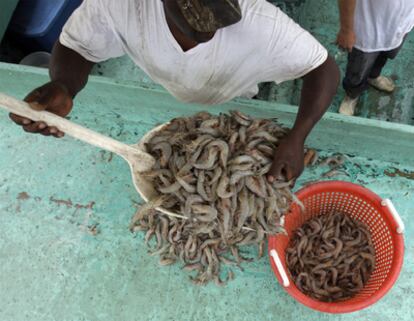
x=360 y=203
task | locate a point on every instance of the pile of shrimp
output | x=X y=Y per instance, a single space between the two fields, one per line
x=331 y=257
x=212 y=171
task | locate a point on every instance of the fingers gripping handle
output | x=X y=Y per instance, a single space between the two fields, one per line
x=21 y=108
x=280 y=268
x=395 y=215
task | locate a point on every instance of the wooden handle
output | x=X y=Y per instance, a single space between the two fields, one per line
x=143 y=161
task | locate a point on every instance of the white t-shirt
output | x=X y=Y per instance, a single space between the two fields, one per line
x=266 y=45
x=380 y=25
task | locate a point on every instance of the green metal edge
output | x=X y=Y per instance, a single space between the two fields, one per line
x=373 y=139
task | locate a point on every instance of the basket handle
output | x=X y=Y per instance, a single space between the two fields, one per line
x=387 y=202
x=280 y=268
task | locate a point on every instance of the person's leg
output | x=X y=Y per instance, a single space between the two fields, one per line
x=378 y=65
x=355 y=82
x=357 y=71
x=382 y=60
x=375 y=79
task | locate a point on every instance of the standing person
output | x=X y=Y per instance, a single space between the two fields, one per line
x=201 y=51
x=372 y=31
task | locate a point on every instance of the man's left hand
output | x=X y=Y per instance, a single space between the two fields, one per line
x=288 y=161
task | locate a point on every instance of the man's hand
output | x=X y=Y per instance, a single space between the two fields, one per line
x=53 y=97
x=288 y=161
x=318 y=90
x=69 y=73
x=346 y=39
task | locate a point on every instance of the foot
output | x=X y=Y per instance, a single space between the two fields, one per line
x=382 y=83
x=348 y=106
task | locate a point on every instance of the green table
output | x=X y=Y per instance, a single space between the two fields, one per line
x=52 y=191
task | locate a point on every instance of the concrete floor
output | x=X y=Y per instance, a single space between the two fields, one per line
x=65 y=249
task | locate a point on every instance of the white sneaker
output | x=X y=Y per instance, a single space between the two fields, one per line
x=348 y=106
x=382 y=83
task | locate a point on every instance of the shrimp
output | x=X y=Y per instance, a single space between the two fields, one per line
x=212 y=170
x=333 y=248
x=241 y=118
x=223 y=186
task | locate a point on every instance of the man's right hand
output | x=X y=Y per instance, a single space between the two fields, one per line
x=53 y=97
x=346 y=39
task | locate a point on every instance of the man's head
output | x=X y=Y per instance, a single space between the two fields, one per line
x=200 y=19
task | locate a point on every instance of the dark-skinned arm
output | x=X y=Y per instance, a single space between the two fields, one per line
x=69 y=73
x=318 y=90
x=346 y=35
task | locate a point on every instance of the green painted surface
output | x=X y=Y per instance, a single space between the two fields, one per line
x=52 y=268
x=6 y=12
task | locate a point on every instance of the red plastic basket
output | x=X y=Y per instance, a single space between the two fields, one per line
x=360 y=203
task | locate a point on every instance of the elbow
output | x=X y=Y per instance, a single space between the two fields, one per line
x=324 y=79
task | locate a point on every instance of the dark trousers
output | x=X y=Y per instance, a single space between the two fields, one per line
x=364 y=65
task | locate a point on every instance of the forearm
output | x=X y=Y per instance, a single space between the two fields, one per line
x=319 y=88
x=69 y=68
x=346 y=14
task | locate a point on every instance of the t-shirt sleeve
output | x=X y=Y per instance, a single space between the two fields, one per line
x=90 y=32
x=292 y=52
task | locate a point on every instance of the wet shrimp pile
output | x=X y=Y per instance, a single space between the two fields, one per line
x=211 y=170
x=331 y=257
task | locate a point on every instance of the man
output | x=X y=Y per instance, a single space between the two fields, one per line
x=372 y=31
x=201 y=51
